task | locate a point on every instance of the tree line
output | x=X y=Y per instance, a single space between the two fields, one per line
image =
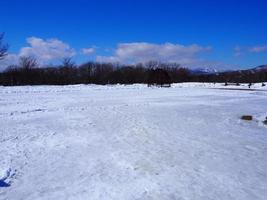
x=28 y=72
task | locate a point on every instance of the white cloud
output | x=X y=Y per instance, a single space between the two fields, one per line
x=53 y=50
x=258 y=49
x=46 y=51
x=143 y=52
x=88 y=51
x=10 y=59
x=237 y=51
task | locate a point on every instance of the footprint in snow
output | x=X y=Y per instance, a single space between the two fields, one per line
x=4 y=184
x=4 y=175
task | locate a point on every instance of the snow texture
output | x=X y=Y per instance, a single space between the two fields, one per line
x=119 y=142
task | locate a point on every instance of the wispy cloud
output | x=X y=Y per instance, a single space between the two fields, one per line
x=237 y=51
x=88 y=51
x=258 y=49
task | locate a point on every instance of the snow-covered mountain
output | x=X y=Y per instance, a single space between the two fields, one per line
x=261 y=67
x=200 y=71
x=207 y=71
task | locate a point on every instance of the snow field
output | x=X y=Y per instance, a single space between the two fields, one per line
x=132 y=142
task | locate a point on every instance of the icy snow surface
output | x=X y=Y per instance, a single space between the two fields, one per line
x=119 y=142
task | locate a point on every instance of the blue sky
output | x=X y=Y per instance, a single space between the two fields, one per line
x=218 y=34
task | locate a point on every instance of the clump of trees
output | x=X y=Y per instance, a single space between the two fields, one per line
x=159 y=77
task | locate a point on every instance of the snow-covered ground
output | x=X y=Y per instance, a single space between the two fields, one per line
x=132 y=142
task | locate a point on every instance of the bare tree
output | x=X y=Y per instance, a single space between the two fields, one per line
x=67 y=62
x=27 y=62
x=3 y=47
x=152 y=64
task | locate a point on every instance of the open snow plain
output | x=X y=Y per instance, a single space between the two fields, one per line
x=132 y=142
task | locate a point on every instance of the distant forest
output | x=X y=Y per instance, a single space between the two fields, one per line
x=28 y=72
